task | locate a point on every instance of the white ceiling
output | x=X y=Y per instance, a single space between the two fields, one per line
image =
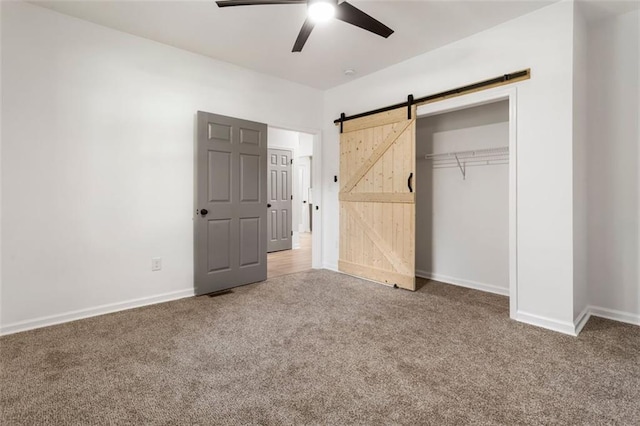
x=261 y=37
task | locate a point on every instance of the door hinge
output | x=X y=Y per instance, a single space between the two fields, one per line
x=291 y=161
x=292 y=197
x=292 y=233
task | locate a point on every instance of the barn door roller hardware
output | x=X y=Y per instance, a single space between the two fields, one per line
x=470 y=88
x=341 y=120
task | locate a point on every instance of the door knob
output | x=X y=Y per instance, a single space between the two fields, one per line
x=268 y=205
x=203 y=212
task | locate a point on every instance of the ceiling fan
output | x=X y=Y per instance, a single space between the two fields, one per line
x=320 y=11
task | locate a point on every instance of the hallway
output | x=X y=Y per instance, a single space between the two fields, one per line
x=290 y=261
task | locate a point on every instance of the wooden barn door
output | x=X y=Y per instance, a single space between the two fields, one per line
x=377 y=198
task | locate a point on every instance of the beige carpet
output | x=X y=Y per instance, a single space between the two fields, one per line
x=321 y=348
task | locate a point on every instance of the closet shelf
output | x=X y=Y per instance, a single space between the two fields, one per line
x=476 y=157
x=463 y=155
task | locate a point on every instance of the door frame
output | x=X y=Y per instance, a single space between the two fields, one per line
x=316 y=181
x=509 y=94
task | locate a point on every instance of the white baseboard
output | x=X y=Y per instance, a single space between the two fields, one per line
x=330 y=266
x=612 y=314
x=92 y=312
x=569 y=328
x=615 y=315
x=581 y=320
x=548 y=323
x=462 y=282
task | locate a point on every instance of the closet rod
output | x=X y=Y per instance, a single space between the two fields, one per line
x=471 y=153
x=471 y=163
x=474 y=87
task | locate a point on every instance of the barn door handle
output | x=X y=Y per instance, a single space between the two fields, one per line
x=409 y=182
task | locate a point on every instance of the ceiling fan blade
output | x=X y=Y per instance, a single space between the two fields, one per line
x=303 y=35
x=227 y=3
x=354 y=16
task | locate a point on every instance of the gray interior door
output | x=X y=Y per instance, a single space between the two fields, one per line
x=231 y=193
x=279 y=200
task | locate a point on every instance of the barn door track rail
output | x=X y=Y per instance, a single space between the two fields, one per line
x=470 y=88
x=463 y=159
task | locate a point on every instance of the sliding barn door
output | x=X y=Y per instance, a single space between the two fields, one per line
x=377 y=198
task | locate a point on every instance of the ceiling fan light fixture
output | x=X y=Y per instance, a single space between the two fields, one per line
x=321 y=10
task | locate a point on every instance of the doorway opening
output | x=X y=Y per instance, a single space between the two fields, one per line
x=290 y=195
x=466 y=192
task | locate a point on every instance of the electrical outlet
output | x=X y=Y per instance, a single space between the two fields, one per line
x=156 y=263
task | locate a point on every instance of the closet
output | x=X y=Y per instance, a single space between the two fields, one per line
x=462 y=197
x=427 y=189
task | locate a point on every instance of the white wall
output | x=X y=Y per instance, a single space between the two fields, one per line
x=613 y=161
x=462 y=225
x=97 y=161
x=306 y=145
x=543 y=41
x=1 y=119
x=580 y=88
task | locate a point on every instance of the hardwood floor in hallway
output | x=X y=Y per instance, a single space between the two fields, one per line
x=290 y=261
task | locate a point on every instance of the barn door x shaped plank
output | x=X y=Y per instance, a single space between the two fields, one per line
x=395 y=133
x=401 y=266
